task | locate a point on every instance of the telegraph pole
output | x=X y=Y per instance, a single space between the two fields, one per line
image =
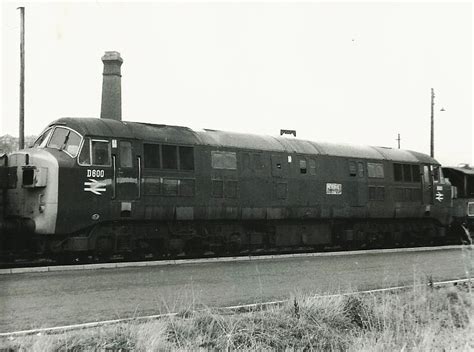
x=432 y=124
x=21 y=141
x=398 y=139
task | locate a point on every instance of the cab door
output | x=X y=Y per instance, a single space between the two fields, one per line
x=427 y=185
x=127 y=165
x=357 y=184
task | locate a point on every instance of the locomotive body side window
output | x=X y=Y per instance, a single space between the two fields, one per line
x=303 y=169
x=375 y=170
x=407 y=173
x=186 y=158
x=125 y=154
x=397 y=172
x=100 y=153
x=224 y=160
x=170 y=157
x=352 y=168
x=151 y=156
x=416 y=173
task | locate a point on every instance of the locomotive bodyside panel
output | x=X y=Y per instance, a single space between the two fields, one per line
x=85 y=189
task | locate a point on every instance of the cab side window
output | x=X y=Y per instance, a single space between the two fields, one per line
x=85 y=155
x=100 y=153
x=438 y=174
x=125 y=154
x=95 y=152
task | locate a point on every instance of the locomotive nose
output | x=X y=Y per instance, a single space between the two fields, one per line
x=30 y=191
x=8 y=181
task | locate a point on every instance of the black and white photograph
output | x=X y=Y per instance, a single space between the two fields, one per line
x=236 y=175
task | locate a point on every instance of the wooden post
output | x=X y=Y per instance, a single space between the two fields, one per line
x=21 y=140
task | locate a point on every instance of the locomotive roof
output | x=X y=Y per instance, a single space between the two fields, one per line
x=220 y=139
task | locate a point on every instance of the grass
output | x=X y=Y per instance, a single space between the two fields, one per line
x=422 y=318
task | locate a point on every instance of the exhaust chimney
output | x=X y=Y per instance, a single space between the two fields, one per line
x=111 y=107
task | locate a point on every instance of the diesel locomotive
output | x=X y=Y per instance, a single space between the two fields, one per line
x=103 y=186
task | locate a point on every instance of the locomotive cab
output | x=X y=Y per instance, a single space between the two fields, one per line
x=31 y=180
x=462 y=178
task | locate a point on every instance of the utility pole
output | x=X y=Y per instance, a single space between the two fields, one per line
x=21 y=141
x=432 y=124
x=398 y=139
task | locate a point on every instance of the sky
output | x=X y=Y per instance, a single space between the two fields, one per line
x=341 y=72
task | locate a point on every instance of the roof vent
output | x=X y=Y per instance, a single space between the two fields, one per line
x=293 y=132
